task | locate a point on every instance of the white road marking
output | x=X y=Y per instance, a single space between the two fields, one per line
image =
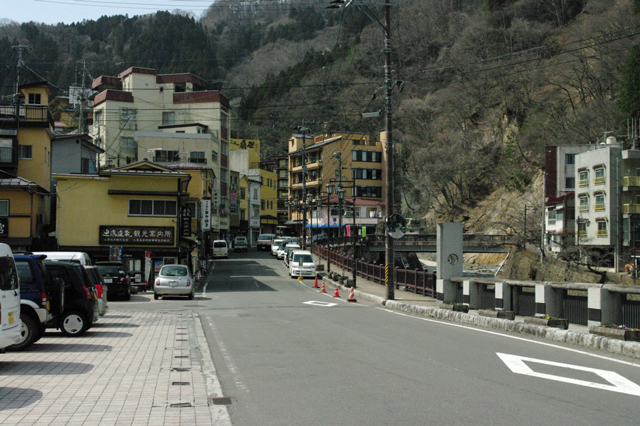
x=618 y=383
x=231 y=365
x=495 y=333
x=323 y=304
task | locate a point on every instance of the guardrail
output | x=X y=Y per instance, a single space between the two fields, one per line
x=416 y=280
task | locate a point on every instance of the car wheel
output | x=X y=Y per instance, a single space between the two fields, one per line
x=127 y=296
x=155 y=296
x=29 y=334
x=191 y=295
x=73 y=324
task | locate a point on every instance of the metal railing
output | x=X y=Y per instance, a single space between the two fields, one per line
x=416 y=280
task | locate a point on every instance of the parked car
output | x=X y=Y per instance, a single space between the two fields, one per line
x=10 y=315
x=301 y=264
x=240 y=244
x=41 y=299
x=68 y=256
x=220 y=249
x=264 y=241
x=174 y=280
x=116 y=277
x=277 y=243
x=288 y=250
x=101 y=288
x=79 y=303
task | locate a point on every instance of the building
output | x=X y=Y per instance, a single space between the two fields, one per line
x=25 y=169
x=280 y=166
x=139 y=211
x=140 y=100
x=74 y=153
x=559 y=196
x=350 y=160
x=268 y=202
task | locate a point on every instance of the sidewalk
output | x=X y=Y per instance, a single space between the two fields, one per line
x=428 y=307
x=141 y=368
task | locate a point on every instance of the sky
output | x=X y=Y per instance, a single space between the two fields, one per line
x=68 y=11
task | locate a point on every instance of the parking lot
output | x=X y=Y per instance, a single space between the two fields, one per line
x=129 y=368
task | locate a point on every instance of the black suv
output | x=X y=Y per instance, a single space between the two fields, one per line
x=116 y=277
x=79 y=301
x=41 y=299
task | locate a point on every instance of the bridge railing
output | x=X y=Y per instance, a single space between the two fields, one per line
x=413 y=280
x=468 y=240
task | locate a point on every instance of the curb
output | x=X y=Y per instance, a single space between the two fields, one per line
x=586 y=340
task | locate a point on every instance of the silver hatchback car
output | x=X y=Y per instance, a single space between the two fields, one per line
x=174 y=280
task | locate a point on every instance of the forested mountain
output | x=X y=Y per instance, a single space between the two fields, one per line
x=481 y=86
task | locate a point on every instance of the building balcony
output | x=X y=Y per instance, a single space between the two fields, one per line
x=629 y=182
x=583 y=182
x=599 y=207
x=36 y=114
x=599 y=180
x=583 y=208
x=630 y=208
x=601 y=233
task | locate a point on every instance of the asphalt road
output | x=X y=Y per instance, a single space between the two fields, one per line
x=289 y=355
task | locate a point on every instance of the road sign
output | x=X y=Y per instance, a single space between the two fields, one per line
x=518 y=365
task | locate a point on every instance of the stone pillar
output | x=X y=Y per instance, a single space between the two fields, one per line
x=449 y=258
x=471 y=294
x=503 y=296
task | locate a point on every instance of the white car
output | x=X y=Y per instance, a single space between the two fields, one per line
x=278 y=243
x=285 y=252
x=220 y=249
x=174 y=280
x=301 y=264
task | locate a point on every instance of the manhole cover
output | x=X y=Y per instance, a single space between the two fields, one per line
x=180 y=383
x=181 y=405
x=221 y=400
x=180 y=369
x=181 y=356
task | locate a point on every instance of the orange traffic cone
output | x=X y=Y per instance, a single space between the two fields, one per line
x=336 y=293
x=315 y=284
x=323 y=290
x=352 y=297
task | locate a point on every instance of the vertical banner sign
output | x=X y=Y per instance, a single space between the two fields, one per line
x=348 y=230
x=147 y=266
x=364 y=232
x=185 y=225
x=206 y=214
x=115 y=253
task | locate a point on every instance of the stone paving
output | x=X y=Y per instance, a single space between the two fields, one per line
x=146 y=368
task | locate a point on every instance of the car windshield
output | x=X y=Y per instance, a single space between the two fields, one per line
x=174 y=271
x=304 y=258
x=219 y=244
x=264 y=237
x=110 y=269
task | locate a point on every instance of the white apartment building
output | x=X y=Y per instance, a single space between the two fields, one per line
x=139 y=102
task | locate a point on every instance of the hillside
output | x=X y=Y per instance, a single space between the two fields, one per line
x=480 y=86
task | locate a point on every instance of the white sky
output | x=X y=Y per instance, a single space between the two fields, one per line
x=68 y=11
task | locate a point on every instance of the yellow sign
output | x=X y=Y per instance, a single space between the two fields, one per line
x=253 y=144
x=12 y=320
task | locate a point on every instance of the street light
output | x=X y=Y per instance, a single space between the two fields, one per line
x=340 y=192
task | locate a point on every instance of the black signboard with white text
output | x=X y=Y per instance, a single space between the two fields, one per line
x=114 y=235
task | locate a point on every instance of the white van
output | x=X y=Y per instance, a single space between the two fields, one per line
x=220 y=249
x=301 y=264
x=288 y=249
x=10 y=323
x=68 y=256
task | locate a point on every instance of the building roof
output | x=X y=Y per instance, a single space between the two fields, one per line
x=186 y=165
x=8 y=180
x=112 y=95
x=316 y=145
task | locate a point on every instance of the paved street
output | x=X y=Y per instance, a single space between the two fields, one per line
x=256 y=347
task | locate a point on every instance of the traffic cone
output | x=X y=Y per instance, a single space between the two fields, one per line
x=352 y=296
x=323 y=290
x=336 y=293
x=315 y=284
x=300 y=278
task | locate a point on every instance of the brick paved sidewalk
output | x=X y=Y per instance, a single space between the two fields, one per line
x=130 y=368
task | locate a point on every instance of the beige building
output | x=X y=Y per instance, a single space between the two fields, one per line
x=141 y=101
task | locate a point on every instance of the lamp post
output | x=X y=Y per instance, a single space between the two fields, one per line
x=340 y=192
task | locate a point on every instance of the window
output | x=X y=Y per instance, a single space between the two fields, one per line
x=128 y=144
x=197 y=157
x=6 y=150
x=214 y=156
x=582 y=227
x=599 y=202
x=163 y=156
x=243 y=194
x=243 y=215
x=369 y=191
x=600 y=178
x=4 y=208
x=88 y=166
x=262 y=203
x=34 y=99
x=127 y=117
x=570 y=183
x=584 y=178
x=570 y=159
x=584 y=204
x=552 y=217
x=165 y=208
x=168 y=118
x=602 y=228
x=26 y=152
x=224 y=148
x=97 y=119
x=255 y=193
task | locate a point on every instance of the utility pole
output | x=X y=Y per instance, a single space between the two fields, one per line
x=20 y=49
x=389 y=254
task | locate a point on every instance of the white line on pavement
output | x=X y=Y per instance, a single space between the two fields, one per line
x=479 y=330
